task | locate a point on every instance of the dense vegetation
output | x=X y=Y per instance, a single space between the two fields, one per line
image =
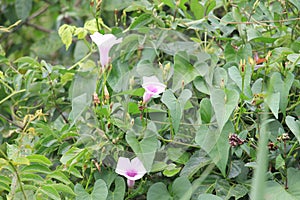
x=150 y=99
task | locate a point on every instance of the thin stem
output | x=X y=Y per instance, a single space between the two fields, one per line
x=80 y=61
x=12 y=94
x=180 y=143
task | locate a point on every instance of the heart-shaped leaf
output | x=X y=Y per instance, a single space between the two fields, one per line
x=174 y=107
x=144 y=149
x=158 y=191
x=215 y=143
x=224 y=102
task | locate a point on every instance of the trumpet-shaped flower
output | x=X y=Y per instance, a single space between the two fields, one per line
x=132 y=170
x=153 y=87
x=104 y=43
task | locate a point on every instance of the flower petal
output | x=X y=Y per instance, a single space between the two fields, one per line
x=123 y=166
x=153 y=87
x=138 y=165
x=105 y=43
x=147 y=96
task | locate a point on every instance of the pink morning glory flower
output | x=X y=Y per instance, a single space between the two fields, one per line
x=132 y=170
x=153 y=87
x=105 y=43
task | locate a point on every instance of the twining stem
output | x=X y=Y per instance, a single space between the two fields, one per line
x=180 y=143
x=80 y=61
x=12 y=94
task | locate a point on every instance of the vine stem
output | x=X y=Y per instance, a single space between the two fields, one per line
x=80 y=61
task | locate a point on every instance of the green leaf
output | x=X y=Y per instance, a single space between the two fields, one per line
x=235 y=168
x=141 y=21
x=223 y=102
x=119 y=191
x=80 y=50
x=226 y=191
x=253 y=34
x=58 y=175
x=145 y=149
x=4 y=186
x=63 y=188
x=6 y=180
x=66 y=34
x=36 y=158
x=21 y=161
x=282 y=87
x=294 y=57
x=72 y=156
x=184 y=97
x=158 y=191
x=198 y=160
x=280 y=162
x=36 y=168
x=197 y=9
x=170 y=3
x=82 y=90
x=184 y=71
x=28 y=60
x=50 y=191
x=215 y=143
x=174 y=107
x=272 y=100
x=206 y=110
x=158 y=166
x=182 y=188
x=236 y=76
x=296 y=3
x=171 y=170
x=81 y=194
x=32 y=177
x=243 y=53
x=201 y=85
x=23 y=8
x=275 y=191
x=294 y=126
x=208 y=197
x=100 y=190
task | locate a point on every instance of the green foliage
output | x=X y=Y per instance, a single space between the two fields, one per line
x=230 y=109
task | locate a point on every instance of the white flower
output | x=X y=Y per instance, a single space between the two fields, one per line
x=105 y=43
x=153 y=87
x=132 y=170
